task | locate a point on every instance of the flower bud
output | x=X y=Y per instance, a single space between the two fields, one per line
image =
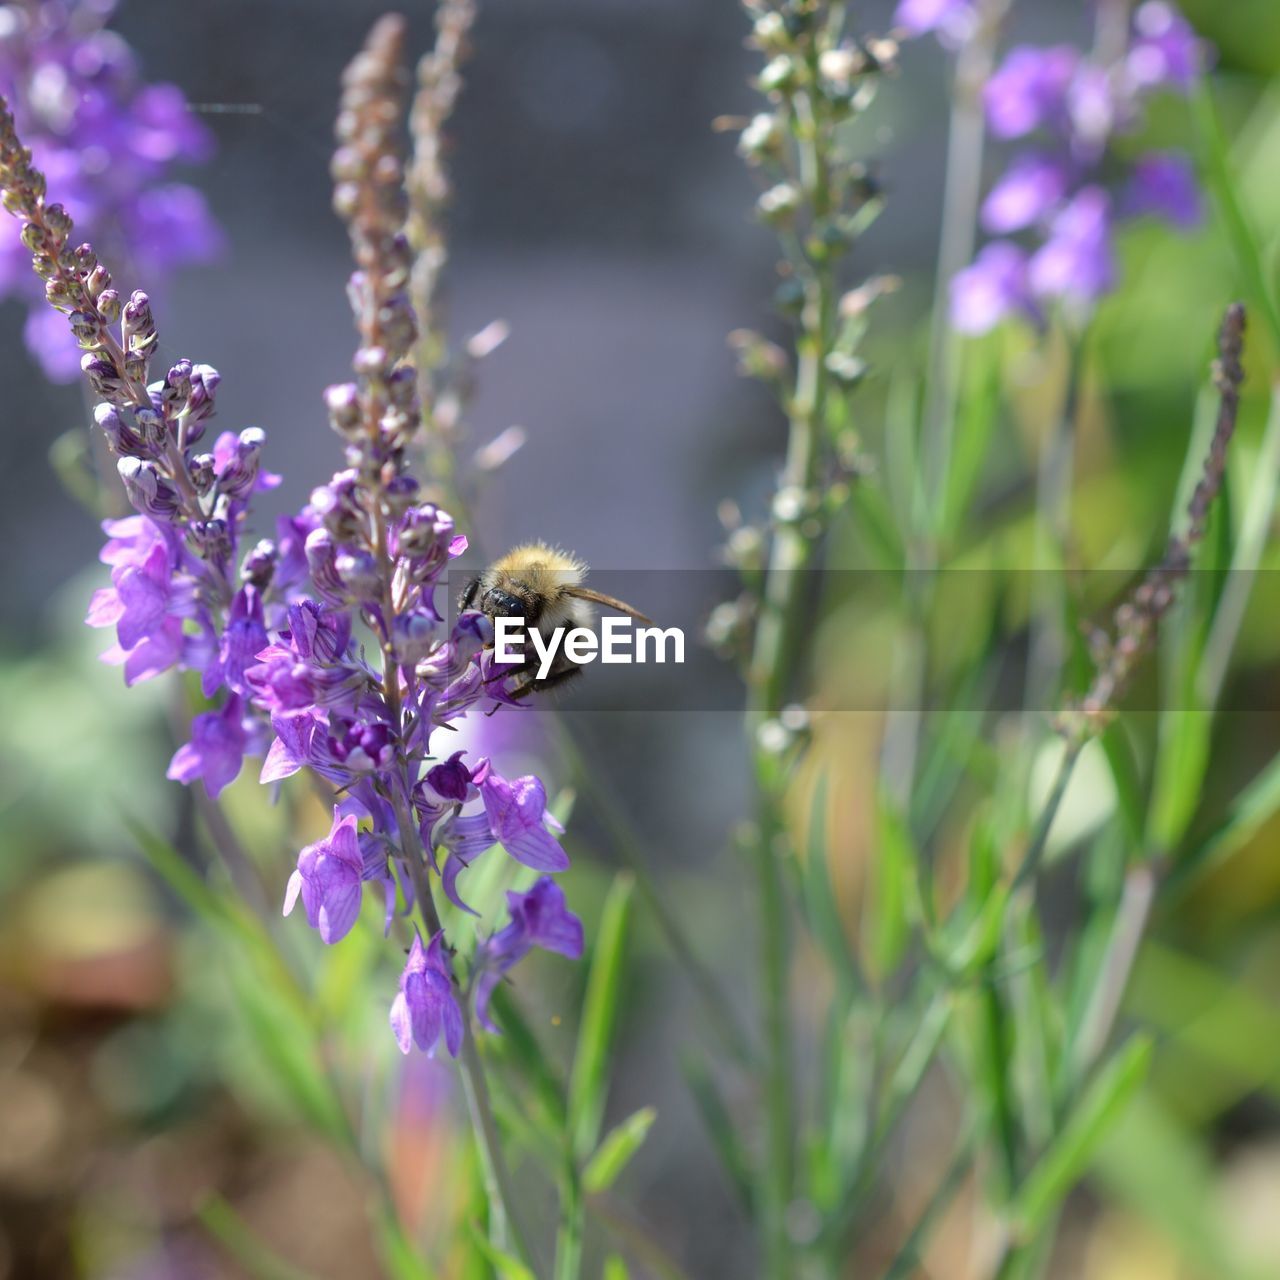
x=147 y=490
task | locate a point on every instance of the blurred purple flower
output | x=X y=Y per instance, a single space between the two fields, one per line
x=426 y=1007
x=107 y=142
x=330 y=877
x=1029 y=90
x=1166 y=51
x=995 y=285
x=1029 y=190
x=952 y=20
x=1163 y=183
x=1077 y=262
x=539 y=918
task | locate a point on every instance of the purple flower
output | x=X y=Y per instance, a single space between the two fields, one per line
x=1077 y=261
x=216 y=750
x=539 y=918
x=518 y=818
x=1165 y=50
x=1163 y=183
x=983 y=294
x=426 y=1005
x=953 y=20
x=1029 y=190
x=329 y=877
x=1029 y=90
x=107 y=142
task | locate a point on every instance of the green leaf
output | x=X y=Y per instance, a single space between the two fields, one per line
x=819 y=893
x=1216 y=163
x=589 y=1082
x=1181 y=762
x=720 y=1129
x=507 y=1267
x=242 y=1243
x=614 y=1153
x=1255 y=806
x=887 y=918
x=401 y=1257
x=1067 y=1157
x=615 y=1269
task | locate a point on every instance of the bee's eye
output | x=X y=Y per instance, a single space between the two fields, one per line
x=501 y=604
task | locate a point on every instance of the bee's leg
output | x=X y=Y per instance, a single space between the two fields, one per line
x=562 y=671
x=467 y=599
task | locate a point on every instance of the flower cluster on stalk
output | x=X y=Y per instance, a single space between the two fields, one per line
x=1064 y=190
x=324 y=648
x=107 y=141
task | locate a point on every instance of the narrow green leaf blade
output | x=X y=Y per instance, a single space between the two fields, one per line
x=614 y=1154
x=589 y=1082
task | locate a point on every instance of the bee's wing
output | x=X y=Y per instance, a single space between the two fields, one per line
x=609 y=602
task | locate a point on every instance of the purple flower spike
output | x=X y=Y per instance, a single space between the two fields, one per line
x=996 y=285
x=1029 y=91
x=952 y=20
x=1077 y=262
x=1029 y=190
x=539 y=918
x=1165 y=51
x=518 y=817
x=216 y=750
x=1164 y=184
x=329 y=877
x=426 y=1006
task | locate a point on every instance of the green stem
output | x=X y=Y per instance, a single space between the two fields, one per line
x=773 y=662
x=569 y=1235
x=504 y=1226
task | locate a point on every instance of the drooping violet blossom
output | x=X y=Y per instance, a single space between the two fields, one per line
x=1071 y=107
x=329 y=878
x=539 y=918
x=108 y=142
x=274 y=627
x=426 y=1007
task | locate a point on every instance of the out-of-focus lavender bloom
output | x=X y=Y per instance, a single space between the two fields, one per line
x=1166 y=51
x=108 y=142
x=1075 y=106
x=1029 y=90
x=426 y=1007
x=951 y=20
x=1163 y=183
x=539 y=918
x=1032 y=186
x=1076 y=262
x=994 y=286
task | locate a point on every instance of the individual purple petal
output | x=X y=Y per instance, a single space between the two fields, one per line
x=1032 y=186
x=1077 y=262
x=1094 y=109
x=1029 y=89
x=993 y=287
x=1163 y=183
x=1165 y=50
